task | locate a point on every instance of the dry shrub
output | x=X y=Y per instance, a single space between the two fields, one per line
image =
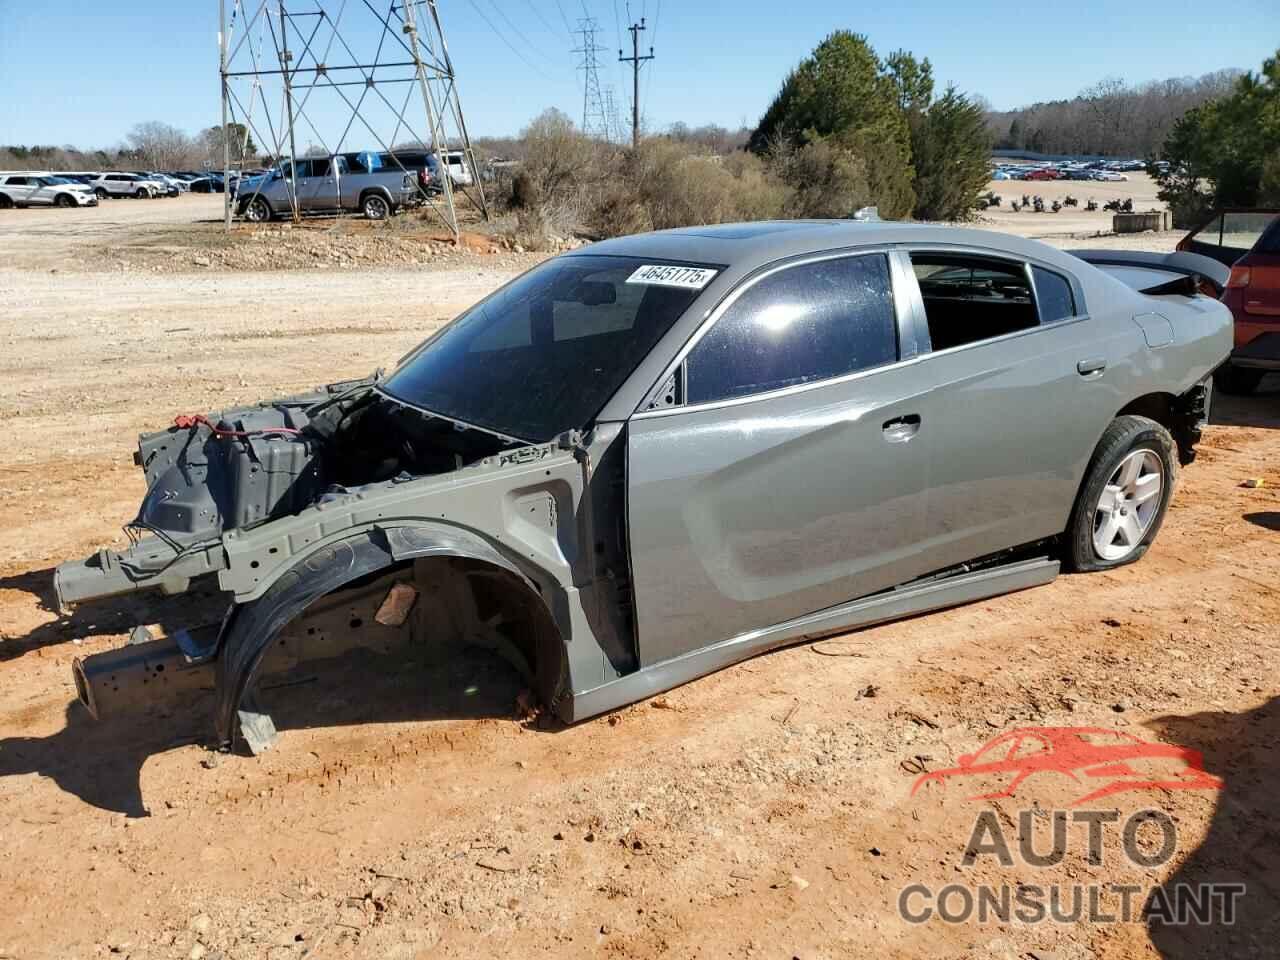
x=825 y=179
x=663 y=185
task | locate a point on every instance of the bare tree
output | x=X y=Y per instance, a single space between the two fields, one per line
x=160 y=146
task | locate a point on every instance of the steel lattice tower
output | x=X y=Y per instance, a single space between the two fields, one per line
x=333 y=72
x=595 y=122
x=612 y=122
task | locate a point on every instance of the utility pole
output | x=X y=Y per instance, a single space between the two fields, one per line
x=635 y=60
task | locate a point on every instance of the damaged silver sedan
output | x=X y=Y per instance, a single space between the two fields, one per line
x=659 y=455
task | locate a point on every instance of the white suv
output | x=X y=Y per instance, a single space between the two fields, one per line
x=43 y=190
x=126 y=185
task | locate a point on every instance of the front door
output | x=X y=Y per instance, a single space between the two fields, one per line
x=789 y=473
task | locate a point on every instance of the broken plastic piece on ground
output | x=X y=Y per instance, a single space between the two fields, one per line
x=258 y=730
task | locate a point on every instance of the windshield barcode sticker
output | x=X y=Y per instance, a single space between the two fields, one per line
x=690 y=278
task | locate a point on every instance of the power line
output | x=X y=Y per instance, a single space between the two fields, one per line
x=567 y=28
x=538 y=13
x=518 y=32
x=510 y=46
x=648 y=81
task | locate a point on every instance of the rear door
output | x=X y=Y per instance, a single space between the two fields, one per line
x=20 y=189
x=317 y=184
x=778 y=471
x=1021 y=393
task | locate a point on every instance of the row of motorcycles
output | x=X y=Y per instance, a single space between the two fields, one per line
x=1037 y=204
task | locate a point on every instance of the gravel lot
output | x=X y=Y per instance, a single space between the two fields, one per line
x=762 y=812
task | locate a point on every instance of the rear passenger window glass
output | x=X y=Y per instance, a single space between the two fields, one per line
x=970 y=299
x=1053 y=295
x=1242 y=230
x=803 y=324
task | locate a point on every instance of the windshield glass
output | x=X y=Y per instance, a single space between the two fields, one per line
x=544 y=353
x=52 y=181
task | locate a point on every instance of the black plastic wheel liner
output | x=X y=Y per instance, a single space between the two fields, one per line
x=252 y=627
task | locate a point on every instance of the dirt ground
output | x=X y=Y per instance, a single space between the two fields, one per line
x=766 y=811
x=1069 y=221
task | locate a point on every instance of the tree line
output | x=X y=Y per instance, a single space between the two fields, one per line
x=148 y=146
x=1111 y=118
x=1225 y=152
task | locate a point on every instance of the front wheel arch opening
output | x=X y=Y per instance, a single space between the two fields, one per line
x=458 y=603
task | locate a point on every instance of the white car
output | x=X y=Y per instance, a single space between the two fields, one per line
x=43 y=190
x=127 y=185
x=1111 y=175
x=459 y=171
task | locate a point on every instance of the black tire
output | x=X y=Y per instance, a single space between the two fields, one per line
x=374 y=206
x=1123 y=437
x=100 y=194
x=140 y=194
x=1237 y=381
x=257 y=210
x=6 y=202
x=64 y=200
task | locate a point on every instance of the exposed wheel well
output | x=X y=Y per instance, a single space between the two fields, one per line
x=326 y=609
x=1181 y=416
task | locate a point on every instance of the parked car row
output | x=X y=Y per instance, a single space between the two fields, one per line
x=1102 y=170
x=30 y=188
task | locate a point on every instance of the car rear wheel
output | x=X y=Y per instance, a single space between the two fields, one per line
x=257 y=211
x=100 y=193
x=140 y=193
x=1124 y=497
x=375 y=207
x=1237 y=381
x=64 y=200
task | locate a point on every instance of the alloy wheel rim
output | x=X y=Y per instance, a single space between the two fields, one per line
x=1128 y=505
x=374 y=209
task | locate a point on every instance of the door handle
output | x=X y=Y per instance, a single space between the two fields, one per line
x=1091 y=366
x=901 y=429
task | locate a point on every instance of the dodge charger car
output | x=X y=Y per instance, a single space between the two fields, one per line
x=658 y=455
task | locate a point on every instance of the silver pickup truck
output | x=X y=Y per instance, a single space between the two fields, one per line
x=324 y=185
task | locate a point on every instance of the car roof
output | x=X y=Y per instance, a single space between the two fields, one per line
x=746 y=246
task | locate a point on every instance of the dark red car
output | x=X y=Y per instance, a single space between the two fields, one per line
x=1043 y=173
x=1248 y=241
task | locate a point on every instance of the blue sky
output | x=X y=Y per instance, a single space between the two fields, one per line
x=83 y=71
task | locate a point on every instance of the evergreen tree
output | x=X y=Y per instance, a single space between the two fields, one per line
x=952 y=151
x=842 y=92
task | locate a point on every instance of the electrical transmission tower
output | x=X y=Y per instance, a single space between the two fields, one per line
x=636 y=61
x=612 y=123
x=595 y=122
x=288 y=68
